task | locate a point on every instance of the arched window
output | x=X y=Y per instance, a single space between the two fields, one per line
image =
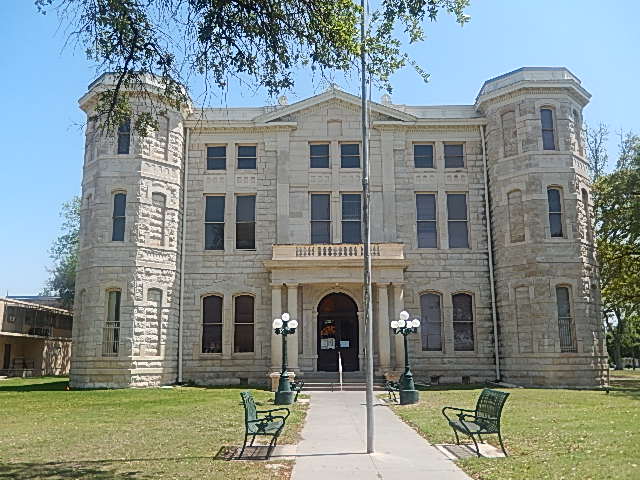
x=111 y=329
x=431 y=323
x=548 y=136
x=587 y=216
x=462 y=322
x=153 y=334
x=212 y=324
x=119 y=216
x=516 y=216
x=243 y=332
x=556 y=221
x=565 y=320
x=509 y=133
x=124 y=137
x=158 y=219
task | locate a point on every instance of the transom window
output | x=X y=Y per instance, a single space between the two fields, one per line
x=212 y=324
x=119 y=217
x=214 y=223
x=246 y=157
x=351 y=216
x=350 y=155
x=454 y=155
x=457 y=220
x=431 y=324
x=319 y=155
x=217 y=157
x=423 y=155
x=548 y=138
x=427 y=223
x=554 y=197
x=462 y=322
x=246 y=222
x=243 y=332
x=320 y=218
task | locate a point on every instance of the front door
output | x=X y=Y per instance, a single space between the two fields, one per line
x=337 y=333
x=7 y=356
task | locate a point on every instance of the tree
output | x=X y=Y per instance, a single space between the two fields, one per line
x=260 y=42
x=64 y=253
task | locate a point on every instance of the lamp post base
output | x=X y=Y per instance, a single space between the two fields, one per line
x=408 y=397
x=284 y=398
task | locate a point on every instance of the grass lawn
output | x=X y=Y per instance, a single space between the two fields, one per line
x=47 y=432
x=550 y=434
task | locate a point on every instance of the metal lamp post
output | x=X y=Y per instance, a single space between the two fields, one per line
x=404 y=327
x=284 y=326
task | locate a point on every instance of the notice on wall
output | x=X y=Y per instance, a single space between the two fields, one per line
x=344 y=343
x=327 y=343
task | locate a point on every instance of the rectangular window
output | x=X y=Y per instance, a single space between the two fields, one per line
x=457 y=220
x=246 y=222
x=554 y=198
x=548 y=140
x=243 y=334
x=124 y=137
x=246 y=157
x=462 y=322
x=454 y=156
x=565 y=321
x=431 y=323
x=423 y=156
x=350 y=155
x=320 y=218
x=212 y=324
x=427 y=221
x=351 y=215
x=217 y=158
x=119 y=217
x=214 y=223
x=111 y=330
x=319 y=155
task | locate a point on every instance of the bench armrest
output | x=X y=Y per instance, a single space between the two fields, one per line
x=455 y=409
x=269 y=412
x=262 y=422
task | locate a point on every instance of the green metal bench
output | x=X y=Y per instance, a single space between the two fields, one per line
x=261 y=422
x=392 y=389
x=297 y=387
x=485 y=419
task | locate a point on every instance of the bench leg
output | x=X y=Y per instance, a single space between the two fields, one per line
x=252 y=440
x=476 y=444
x=456 y=434
x=502 y=445
x=244 y=445
x=480 y=437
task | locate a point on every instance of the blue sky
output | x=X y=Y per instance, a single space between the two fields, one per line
x=41 y=125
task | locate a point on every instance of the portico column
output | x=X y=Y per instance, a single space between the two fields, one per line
x=398 y=306
x=384 y=347
x=292 y=340
x=276 y=340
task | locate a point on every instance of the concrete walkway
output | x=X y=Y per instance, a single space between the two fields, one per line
x=333 y=444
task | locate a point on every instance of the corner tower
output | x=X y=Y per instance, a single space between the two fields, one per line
x=545 y=270
x=127 y=285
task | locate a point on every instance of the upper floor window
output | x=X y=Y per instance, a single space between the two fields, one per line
x=319 y=155
x=124 y=137
x=350 y=155
x=457 y=220
x=119 y=217
x=554 y=197
x=423 y=155
x=212 y=324
x=427 y=222
x=243 y=332
x=351 y=215
x=565 y=320
x=548 y=137
x=431 y=325
x=217 y=157
x=462 y=322
x=111 y=329
x=454 y=155
x=246 y=222
x=214 y=223
x=246 y=157
x=320 y=218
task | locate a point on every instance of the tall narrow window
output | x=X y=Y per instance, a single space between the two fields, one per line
x=554 y=197
x=351 y=215
x=462 y=322
x=124 y=137
x=119 y=217
x=214 y=223
x=212 y=324
x=158 y=219
x=509 y=133
x=217 y=157
x=319 y=155
x=457 y=220
x=516 y=216
x=587 y=216
x=246 y=222
x=246 y=157
x=454 y=156
x=431 y=330
x=153 y=334
x=111 y=329
x=243 y=335
x=427 y=222
x=565 y=321
x=548 y=137
x=320 y=218
x=423 y=156
x=350 y=155
x=577 y=131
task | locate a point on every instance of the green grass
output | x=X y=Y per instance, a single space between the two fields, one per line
x=47 y=432
x=549 y=434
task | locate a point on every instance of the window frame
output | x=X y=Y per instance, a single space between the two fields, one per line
x=570 y=321
x=559 y=213
x=342 y=219
x=215 y=158
x=205 y=223
x=551 y=130
x=424 y=322
x=245 y=158
x=312 y=156
x=238 y=223
x=434 y=220
x=115 y=218
x=252 y=323
x=433 y=156
x=204 y=324
x=111 y=342
x=124 y=131
x=325 y=221
x=462 y=156
x=472 y=322
x=465 y=221
x=343 y=156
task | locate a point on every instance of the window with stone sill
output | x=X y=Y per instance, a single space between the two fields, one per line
x=243 y=322
x=556 y=220
x=463 y=338
x=247 y=157
x=427 y=224
x=350 y=155
x=119 y=217
x=351 y=218
x=548 y=135
x=217 y=157
x=453 y=155
x=423 y=155
x=212 y=324
x=319 y=155
x=111 y=328
x=565 y=320
x=457 y=221
x=431 y=322
x=320 y=218
x=246 y=222
x=214 y=222
x=124 y=137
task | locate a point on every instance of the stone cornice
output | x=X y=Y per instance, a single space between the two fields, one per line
x=532 y=88
x=224 y=126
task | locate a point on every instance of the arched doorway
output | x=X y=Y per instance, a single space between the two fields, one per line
x=337 y=332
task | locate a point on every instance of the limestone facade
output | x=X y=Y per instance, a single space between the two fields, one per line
x=149 y=269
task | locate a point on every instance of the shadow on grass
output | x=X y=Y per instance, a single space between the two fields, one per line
x=44 y=386
x=64 y=470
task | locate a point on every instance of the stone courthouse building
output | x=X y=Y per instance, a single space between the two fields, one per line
x=195 y=237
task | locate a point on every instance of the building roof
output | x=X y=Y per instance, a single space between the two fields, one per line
x=33 y=305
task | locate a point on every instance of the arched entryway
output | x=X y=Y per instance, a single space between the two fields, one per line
x=337 y=332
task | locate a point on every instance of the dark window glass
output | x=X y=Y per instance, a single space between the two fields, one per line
x=548 y=140
x=423 y=156
x=212 y=324
x=565 y=322
x=457 y=220
x=111 y=329
x=216 y=158
x=350 y=155
x=320 y=219
x=124 y=137
x=554 y=198
x=427 y=223
x=243 y=334
x=246 y=222
x=246 y=157
x=462 y=322
x=454 y=156
x=214 y=223
x=119 y=217
x=431 y=324
x=319 y=155
x=351 y=214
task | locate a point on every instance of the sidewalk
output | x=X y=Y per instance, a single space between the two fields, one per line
x=333 y=444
